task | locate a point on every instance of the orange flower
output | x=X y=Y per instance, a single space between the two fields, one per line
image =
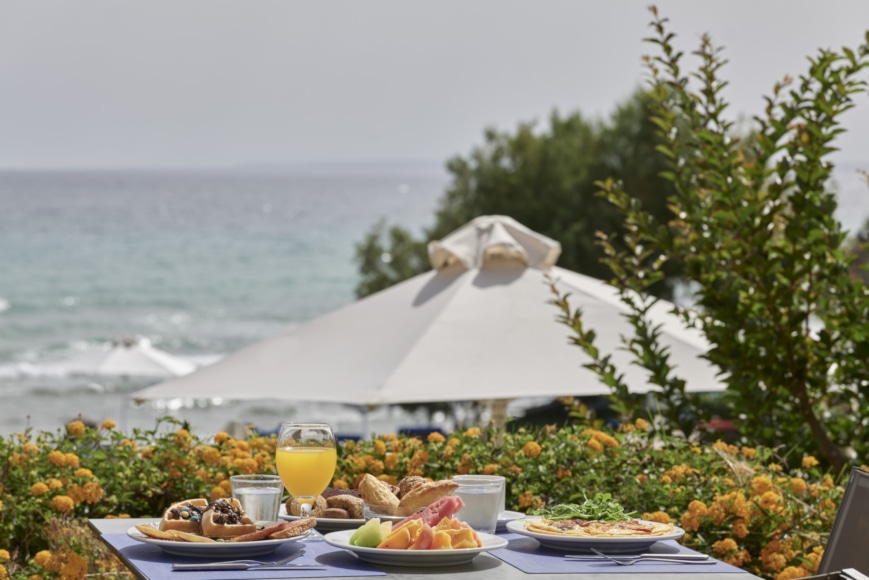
x=108 y=425
x=42 y=557
x=379 y=447
x=724 y=546
x=473 y=433
x=435 y=437
x=661 y=517
x=809 y=461
x=56 y=458
x=643 y=425
x=75 y=427
x=490 y=469
x=71 y=459
x=62 y=503
x=38 y=488
x=532 y=449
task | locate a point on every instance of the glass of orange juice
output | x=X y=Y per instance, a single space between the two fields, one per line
x=306 y=459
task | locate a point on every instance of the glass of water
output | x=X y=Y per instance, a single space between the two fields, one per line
x=259 y=495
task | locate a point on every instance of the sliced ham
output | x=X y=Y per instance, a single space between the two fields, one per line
x=445 y=507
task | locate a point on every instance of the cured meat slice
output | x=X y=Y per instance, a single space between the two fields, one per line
x=445 y=507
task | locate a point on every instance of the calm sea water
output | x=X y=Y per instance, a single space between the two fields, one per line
x=200 y=263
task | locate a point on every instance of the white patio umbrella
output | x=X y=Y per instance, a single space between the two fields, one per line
x=480 y=326
x=129 y=357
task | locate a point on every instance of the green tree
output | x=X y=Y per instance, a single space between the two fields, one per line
x=545 y=180
x=756 y=236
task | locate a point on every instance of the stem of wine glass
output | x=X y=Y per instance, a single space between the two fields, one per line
x=306 y=505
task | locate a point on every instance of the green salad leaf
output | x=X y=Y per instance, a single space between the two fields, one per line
x=600 y=508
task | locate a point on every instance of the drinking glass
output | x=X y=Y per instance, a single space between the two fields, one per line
x=306 y=459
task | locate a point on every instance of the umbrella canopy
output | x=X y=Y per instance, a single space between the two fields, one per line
x=481 y=325
x=133 y=357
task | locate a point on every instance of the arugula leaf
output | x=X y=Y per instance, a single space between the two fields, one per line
x=600 y=508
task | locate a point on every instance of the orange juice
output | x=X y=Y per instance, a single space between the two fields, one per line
x=306 y=471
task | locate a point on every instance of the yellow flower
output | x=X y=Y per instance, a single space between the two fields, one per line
x=217 y=492
x=760 y=485
x=71 y=459
x=666 y=479
x=514 y=470
x=740 y=530
x=724 y=546
x=749 y=452
x=473 y=433
x=661 y=517
x=595 y=445
x=490 y=469
x=38 y=488
x=211 y=455
x=562 y=472
x=379 y=447
x=182 y=438
x=453 y=441
x=774 y=467
x=4 y=554
x=697 y=507
x=642 y=425
x=83 y=472
x=108 y=425
x=532 y=449
x=798 y=485
x=4 y=574
x=62 y=503
x=435 y=437
x=642 y=478
x=56 y=458
x=390 y=461
x=1 y=506
x=42 y=557
x=92 y=492
x=75 y=567
x=526 y=499
x=809 y=461
x=30 y=448
x=340 y=484
x=790 y=573
x=54 y=483
x=75 y=427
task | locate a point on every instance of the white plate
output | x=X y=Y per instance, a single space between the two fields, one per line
x=325 y=524
x=425 y=558
x=580 y=544
x=214 y=549
x=507 y=516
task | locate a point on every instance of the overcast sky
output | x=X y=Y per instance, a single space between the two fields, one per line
x=113 y=83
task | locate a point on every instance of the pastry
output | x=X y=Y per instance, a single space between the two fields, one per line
x=295 y=528
x=350 y=504
x=224 y=518
x=294 y=507
x=376 y=492
x=261 y=534
x=184 y=516
x=408 y=483
x=427 y=493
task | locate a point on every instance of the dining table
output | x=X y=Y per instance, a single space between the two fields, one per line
x=521 y=559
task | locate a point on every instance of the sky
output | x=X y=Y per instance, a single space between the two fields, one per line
x=220 y=83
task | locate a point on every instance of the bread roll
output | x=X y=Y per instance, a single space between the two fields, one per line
x=376 y=492
x=408 y=483
x=351 y=504
x=294 y=507
x=423 y=495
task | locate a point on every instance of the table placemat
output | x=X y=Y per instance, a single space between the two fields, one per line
x=528 y=555
x=153 y=562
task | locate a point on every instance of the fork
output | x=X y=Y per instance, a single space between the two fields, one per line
x=671 y=558
x=247 y=564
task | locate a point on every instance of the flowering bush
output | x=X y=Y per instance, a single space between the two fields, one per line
x=746 y=506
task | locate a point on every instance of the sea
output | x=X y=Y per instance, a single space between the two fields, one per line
x=200 y=263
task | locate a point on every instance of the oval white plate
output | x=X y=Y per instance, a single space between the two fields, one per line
x=426 y=558
x=214 y=549
x=507 y=516
x=580 y=544
x=325 y=524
